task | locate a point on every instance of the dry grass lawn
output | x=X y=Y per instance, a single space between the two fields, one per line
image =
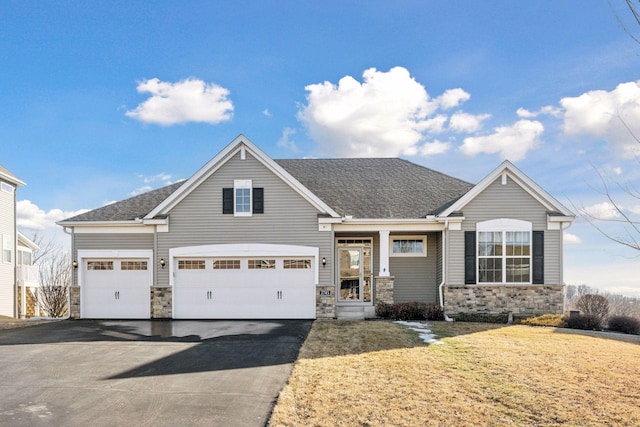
x=379 y=373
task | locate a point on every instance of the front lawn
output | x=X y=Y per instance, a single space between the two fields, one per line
x=374 y=373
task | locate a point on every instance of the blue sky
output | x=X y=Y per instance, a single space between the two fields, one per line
x=102 y=100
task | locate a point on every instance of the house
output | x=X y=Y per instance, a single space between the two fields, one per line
x=27 y=277
x=248 y=236
x=17 y=274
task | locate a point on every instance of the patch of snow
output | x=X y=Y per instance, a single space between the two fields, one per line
x=422 y=329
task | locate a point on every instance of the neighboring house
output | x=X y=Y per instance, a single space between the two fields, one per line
x=16 y=271
x=251 y=237
x=27 y=276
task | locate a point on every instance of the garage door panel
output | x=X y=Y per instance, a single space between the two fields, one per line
x=120 y=291
x=267 y=291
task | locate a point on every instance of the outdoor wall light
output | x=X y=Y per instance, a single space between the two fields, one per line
x=74 y=264
x=162 y=263
x=324 y=262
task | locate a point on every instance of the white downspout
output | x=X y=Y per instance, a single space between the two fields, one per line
x=441 y=285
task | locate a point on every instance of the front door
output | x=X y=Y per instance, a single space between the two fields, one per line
x=355 y=274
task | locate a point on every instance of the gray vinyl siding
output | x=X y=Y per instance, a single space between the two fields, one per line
x=505 y=201
x=287 y=219
x=416 y=278
x=7 y=270
x=109 y=242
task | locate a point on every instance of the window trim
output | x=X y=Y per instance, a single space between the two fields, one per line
x=7 y=247
x=503 y=226
x=394 y=238
x=242 y=184
x=7 y=188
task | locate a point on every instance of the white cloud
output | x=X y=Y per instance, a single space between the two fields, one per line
x=571 y=239
x=388 y=114
x=635 y=209
x=140 y=190
x=525 y=114
x=189 y=100
x=467 y=123
x=435 y=147
x=617 y=170
x=161 y=177
x=452 y=98
x=30 y=216
x=604 y=210
x=613 y=116
x=512 y=142
x=285 y=140
x=547 y=110
x=266 y=112
x=154 y=181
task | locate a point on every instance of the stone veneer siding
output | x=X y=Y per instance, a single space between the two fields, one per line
x=520 y=300
x=384 y=289
x=74 y=298
x=161 y=299
x=325 y=302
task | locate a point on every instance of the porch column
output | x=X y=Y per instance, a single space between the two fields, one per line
x=384 y=254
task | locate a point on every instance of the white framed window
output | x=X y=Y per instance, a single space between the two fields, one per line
x=191 y=264
x=7 y=248
x=408 y=246
x=99 y=265
x=7 y=188
x=504 y=251
x=242 y=197
x=262 y=264
x=133 y=265
x=288 y=264
x=226 y=264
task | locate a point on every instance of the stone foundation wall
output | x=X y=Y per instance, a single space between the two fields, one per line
x=325 y=302
x=384 y=289
x=521 y=300
x=161 y=302
x=74 y=298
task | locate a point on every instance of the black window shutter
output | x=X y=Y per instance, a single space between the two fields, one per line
x=469 y=257
x=258 y=200
x=538 y=257
x=227 y=201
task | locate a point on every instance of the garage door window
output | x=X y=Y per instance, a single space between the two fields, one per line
x=133 y=265
x=296 y=263
x=100 y=265
x=262 y=264
x=191 y=264
x=226 y=264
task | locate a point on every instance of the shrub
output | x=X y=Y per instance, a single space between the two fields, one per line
x=552 y=320
x=584 y=321
x=481 y=317
x=594 y=305
x=409 y=311
x=625 y=324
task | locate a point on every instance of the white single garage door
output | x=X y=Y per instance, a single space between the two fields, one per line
x=115 y=288
x=262 y=286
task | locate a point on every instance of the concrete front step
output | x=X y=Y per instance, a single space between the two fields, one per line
x=355 y=312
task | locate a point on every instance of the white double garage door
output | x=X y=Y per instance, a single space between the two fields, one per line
x=247 y=281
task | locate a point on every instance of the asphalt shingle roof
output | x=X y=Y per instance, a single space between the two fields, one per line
x=378 y=187
x=362 y=188
x=131 y=208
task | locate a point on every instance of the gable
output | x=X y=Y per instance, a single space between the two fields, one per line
x=206 y=198
x=508 y=172
x=508 y=200
x=242 y=146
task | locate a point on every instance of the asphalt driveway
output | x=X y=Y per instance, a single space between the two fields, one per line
x=146 y=373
